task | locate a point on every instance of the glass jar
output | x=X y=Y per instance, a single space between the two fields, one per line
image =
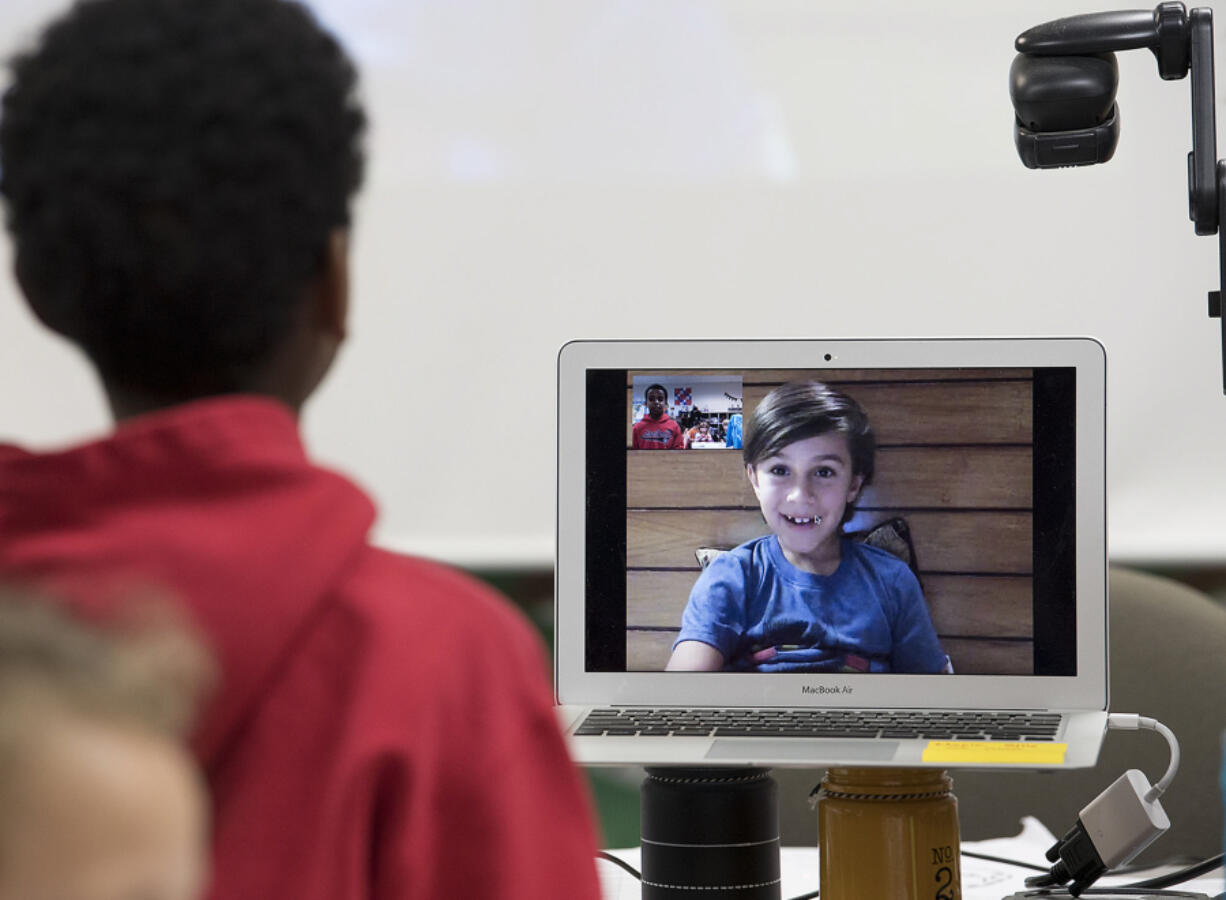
x=888 y=833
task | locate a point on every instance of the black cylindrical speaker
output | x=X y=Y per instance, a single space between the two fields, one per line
x=710 y=832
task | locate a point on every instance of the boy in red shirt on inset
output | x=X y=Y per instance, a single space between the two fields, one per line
x=178 y=178
x=657 y=430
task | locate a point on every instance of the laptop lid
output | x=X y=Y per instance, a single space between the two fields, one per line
x=989 y=476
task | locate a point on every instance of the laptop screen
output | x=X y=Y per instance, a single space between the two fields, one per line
x=851 y=521
x=810 y=566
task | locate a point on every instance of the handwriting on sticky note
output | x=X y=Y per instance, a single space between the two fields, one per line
x=1005 y=753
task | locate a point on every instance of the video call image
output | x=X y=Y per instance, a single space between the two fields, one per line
x=694 y=412
x=847 y=521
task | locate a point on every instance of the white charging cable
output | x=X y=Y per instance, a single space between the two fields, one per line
x=1133 y=722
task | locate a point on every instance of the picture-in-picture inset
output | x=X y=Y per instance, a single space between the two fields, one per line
x=688 y=412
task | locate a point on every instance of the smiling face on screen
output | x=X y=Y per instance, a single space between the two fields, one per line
x=803 y=490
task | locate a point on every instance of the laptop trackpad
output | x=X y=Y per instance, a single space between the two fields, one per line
x=800 y=748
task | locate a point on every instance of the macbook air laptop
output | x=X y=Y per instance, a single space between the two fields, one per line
x=947 y=608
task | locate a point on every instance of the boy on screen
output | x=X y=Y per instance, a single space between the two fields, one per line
x=657 y=430
x=805 y=598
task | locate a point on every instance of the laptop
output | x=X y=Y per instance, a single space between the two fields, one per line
x=982 y=530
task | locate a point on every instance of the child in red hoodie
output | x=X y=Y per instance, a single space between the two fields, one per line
x=178 y=178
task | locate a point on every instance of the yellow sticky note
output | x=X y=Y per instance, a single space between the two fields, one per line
x=1019 y=753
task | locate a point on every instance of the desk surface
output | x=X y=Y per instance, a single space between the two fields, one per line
x=981 y=880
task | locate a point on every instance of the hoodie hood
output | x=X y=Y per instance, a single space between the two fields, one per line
x=213 y=503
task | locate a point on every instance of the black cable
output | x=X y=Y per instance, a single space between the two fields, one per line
x=1158 y=882
x=1001 y=859
x=601 y=854
x=1121 y=891
x=1161 y=881
x=609 y=857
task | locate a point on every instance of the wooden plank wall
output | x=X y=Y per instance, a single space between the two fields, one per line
x=954 y=459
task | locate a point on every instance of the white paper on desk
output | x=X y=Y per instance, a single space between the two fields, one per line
x=981 y=879
x=799 y=867
x=797 y=870
x=985 y=880
x=616 y=884
x=978 y=878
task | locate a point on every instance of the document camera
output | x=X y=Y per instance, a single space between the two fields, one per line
x=1063 y=84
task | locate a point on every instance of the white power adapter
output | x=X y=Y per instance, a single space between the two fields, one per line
x=1116 y=825
x=1121 y=821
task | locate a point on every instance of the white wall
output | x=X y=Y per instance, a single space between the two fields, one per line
x=554 y=169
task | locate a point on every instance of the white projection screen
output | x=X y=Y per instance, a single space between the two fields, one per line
x=543 y=170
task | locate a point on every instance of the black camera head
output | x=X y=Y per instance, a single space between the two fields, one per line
x=1066 y=114
x=1064 y=79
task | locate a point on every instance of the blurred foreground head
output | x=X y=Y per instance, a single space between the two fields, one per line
x=178 y=177
x=99 y=797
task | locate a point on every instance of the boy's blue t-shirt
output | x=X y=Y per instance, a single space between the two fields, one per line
x=764 y=614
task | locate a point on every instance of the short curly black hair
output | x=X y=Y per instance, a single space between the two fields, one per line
x=172 y=171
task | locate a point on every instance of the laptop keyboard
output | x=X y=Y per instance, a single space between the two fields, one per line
x=812 y=723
